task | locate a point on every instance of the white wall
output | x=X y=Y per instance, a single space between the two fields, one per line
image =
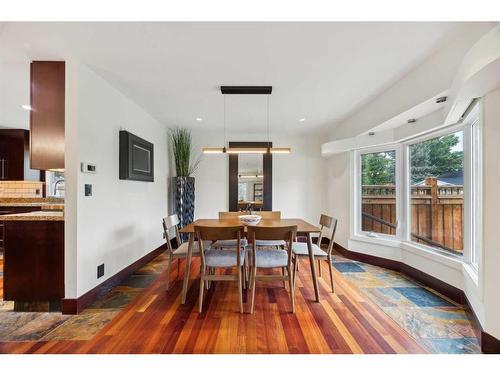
x=491 y=198
x=338 y=193
x=299 y=188
x=121 y=222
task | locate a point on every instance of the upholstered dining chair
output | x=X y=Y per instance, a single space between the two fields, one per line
x=269 y=215
x=180 y=252
x=299 y=249
x=213 y=258
x=271 y=258
x=229 y=244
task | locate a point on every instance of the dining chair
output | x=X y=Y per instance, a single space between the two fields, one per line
x=229 y=244
x=213 y=258
x=299 y=249
x=271 y=258
x=180 y=252
x=269 y=215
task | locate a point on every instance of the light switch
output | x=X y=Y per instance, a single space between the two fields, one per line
x=88 y=190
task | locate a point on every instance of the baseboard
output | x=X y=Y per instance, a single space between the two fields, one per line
x=76 y=305
x=489 y=344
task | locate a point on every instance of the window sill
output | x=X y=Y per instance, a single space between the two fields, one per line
x=410 y=247
x=472 y=273
x=423 y=251
x=384 y=241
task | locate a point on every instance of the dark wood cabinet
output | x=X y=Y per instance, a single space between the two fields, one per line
x=33 y=260
x=14 y=156
x=47 y=99
x=13 y=146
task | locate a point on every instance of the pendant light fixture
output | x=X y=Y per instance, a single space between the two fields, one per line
x=241 y=90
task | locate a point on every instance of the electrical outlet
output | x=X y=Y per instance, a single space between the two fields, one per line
x=100 y=270
x=88 y=190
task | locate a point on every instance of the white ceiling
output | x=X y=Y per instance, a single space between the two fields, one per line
x=319 y=71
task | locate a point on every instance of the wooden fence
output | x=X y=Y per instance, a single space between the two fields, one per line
x=436 y=213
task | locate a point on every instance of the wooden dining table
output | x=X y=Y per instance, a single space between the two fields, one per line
x=303 y=228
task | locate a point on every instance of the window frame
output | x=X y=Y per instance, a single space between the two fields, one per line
x=472 y=236
x=407 y=186
x=358 y=192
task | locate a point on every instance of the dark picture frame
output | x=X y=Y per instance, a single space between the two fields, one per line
x=136 y=158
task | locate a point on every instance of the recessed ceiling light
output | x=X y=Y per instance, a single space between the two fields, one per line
x=199 y=119
x=412 y=121
x=441 y=99
x=302 y=119
x=26 y=107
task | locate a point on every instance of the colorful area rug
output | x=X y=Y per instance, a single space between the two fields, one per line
x=436 y=322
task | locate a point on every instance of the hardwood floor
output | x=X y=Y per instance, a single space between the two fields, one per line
x=156 y=322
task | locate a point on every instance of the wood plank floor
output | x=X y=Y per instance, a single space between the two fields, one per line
x=156 y=322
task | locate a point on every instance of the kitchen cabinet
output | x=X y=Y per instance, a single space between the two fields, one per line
x=47 y=100
x=14 y=145
x=33 y=260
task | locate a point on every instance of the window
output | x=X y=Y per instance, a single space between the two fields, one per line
x=378 y=192
x=436 y=178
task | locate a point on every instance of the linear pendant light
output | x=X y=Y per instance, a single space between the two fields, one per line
x=240 y=90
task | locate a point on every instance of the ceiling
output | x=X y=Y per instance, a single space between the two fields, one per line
x=321 y=72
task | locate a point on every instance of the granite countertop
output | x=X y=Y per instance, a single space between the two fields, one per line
x=35 y=216
x=49 y=203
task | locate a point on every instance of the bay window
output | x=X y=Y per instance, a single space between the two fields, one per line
x=424 y=192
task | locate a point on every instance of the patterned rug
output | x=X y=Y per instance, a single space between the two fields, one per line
x=37 y=326
x=436 y=322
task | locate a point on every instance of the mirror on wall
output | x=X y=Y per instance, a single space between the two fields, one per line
x=250 y=182
x=250 y=178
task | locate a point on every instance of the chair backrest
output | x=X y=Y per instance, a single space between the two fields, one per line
x=170 y=222
x=325 y=221
x=229 y=215
x=332 y=238
x=329 y=222
x=285 y=233
x=270 y=215
x=209 y=233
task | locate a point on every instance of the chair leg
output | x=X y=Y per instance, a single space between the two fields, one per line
x=240 y=288
x=169 y=268
x=319 y=267
x=283 y=273
x=331 y=273
x=202 y=287
x=244 y=280
x=292 y=292
x=295 y=269
x=253 y=276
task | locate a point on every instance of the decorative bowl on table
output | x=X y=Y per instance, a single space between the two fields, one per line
x=250 y=219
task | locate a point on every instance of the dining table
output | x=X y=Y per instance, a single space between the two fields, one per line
x=303 y=229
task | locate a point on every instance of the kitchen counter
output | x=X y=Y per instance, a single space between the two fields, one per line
x=34 y=216
x=31 y=202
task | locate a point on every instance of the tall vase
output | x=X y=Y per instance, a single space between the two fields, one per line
x=184 y=200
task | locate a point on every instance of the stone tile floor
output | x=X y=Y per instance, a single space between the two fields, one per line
x=37 y=326
x=439 y=324
x=436 y=322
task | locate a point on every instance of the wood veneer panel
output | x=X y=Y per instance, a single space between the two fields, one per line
x=47 y=98
x=34 y=261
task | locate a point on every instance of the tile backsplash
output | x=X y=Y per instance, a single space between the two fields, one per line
x=21 y=189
